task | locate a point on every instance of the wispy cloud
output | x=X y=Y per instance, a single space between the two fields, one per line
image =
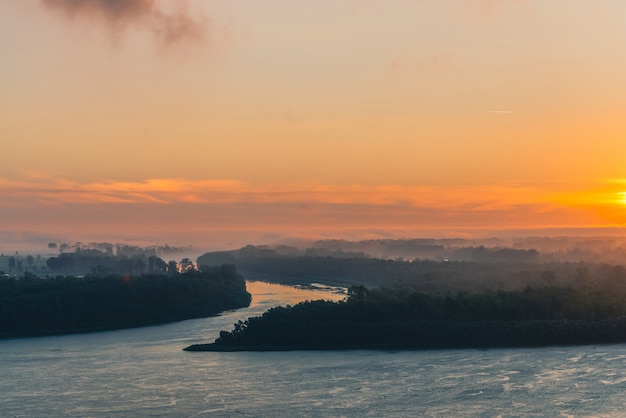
x=171 y=27
x=153 y=206
x=168 y=191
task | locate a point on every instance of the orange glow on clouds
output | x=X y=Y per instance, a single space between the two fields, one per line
x=168 y=191
x=231 y=213
x=436 y=118
x=188 y=204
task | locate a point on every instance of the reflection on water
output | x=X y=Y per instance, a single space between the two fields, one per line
x=144 y=372
x=265 y=294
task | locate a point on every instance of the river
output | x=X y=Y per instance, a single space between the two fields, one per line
x=144 y=372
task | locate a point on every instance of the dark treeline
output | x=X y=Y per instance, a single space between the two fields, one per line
x=598 y=249
x=101 y=263
x=399 y=319
x=487 y=250
x=118 y=249
x=39 y=306
x=421 y=275
x=542 y=249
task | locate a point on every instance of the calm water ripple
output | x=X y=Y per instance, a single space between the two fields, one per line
x=144 y=372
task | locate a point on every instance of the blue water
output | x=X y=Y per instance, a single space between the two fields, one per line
x=144 y=372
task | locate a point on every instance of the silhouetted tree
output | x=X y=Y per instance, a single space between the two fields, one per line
x=156 y=265
x=172 y=267
x=186 y=265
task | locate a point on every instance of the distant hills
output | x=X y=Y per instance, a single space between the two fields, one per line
x=450 y=266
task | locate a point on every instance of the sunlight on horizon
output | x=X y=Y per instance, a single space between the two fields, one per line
x=157 y=118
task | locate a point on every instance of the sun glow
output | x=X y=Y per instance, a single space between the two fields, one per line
x=163 y=119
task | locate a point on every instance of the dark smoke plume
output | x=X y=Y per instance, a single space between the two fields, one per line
x=172 y=27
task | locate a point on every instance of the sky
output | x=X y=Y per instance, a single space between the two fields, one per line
x=220 y=123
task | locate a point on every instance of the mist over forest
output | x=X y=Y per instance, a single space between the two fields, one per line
x=533 y=260
x=436 y=294
x=434 y=264
x=600 y=249
x=581 y=279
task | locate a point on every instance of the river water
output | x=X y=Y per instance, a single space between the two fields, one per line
x=144 y=372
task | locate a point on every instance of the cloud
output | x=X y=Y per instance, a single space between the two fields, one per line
x=159 y=208
x=484 y=204
x=38 y=190
x=172 y=27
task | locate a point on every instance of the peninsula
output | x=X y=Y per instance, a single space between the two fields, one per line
x=394 y=318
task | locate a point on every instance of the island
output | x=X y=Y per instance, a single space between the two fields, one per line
x=398 y=318
x=35 y=306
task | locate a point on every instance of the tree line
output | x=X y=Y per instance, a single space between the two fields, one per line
x=394 y=318
x=67 y=304
x=419 y=275
x=96 y=262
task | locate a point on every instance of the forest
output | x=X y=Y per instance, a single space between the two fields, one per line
x=93 y=258
x=430 y=276
x=398 y=318
x=31 y=306
x=538 y=249
x=480 y=297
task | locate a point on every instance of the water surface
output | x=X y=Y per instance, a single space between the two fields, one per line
x=144 y=372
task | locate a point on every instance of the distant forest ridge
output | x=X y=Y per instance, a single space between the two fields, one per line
x=536 y=250
x=118 y=248
x=81 y=261
x=600 y=249
x=506 y=269
x=83 y=258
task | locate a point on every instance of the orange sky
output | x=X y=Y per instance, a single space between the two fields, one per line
x=200 y=121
